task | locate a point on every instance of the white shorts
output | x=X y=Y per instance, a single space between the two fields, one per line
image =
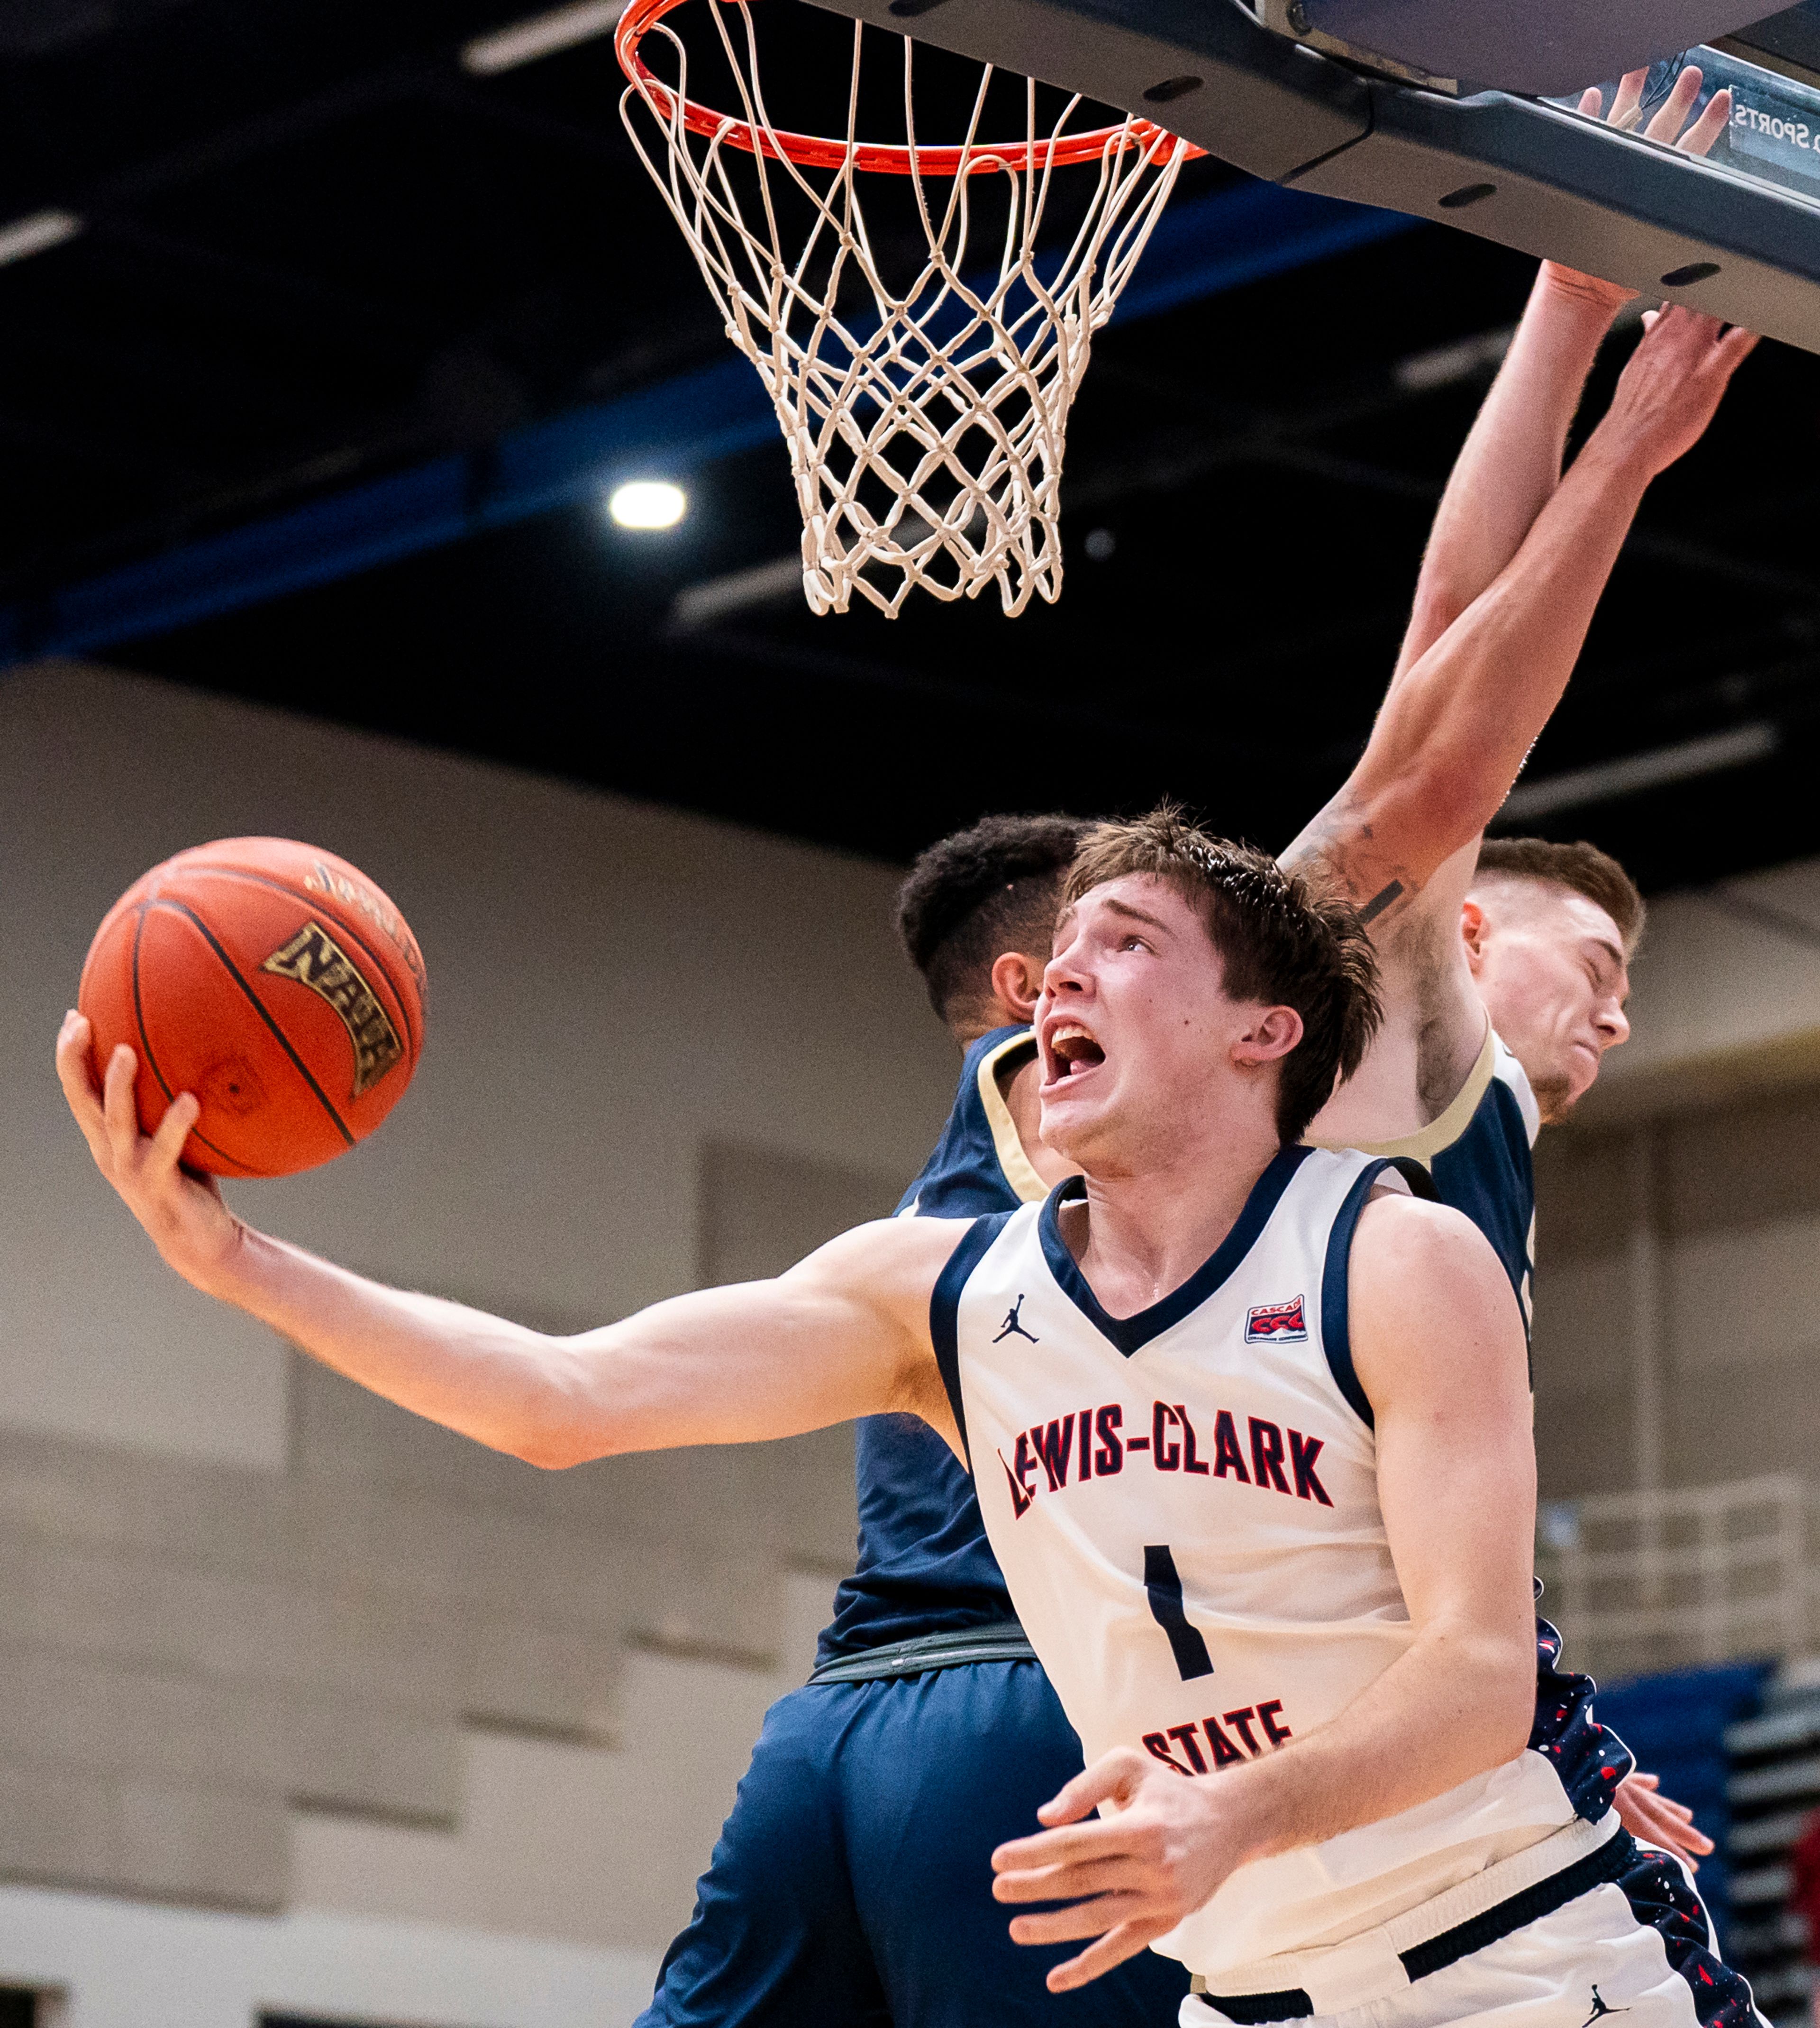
x=1638 y=1946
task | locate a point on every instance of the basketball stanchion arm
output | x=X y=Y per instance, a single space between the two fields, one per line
x=1520 y=172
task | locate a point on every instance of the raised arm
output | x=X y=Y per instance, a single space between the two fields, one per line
x=1401 y=836
x=1510 y=465
x=1438 y=1347
x=1455 y=729
x=1467 y=703
x=843 y=1333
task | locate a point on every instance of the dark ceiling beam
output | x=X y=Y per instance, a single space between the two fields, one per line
x=372 y=91
x=1693 y=684
x=1312 y=463
x=1244 y=433
x=1254 y=435
x=1278 y=441
x=1646 y=545
x=462 y=94
x=1684 y=553
x=106 y=450
x=972 y=701
x=1287 y=647
x=439 y=78
x=349 y=317
x=1215 y=243
x=1183 y=458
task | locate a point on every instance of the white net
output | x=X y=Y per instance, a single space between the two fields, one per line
x=926 y=421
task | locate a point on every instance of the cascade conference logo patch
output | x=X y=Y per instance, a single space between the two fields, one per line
x=314 y=959
x=1276 y=1323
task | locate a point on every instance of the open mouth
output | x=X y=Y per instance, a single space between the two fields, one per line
x=1074 y=1049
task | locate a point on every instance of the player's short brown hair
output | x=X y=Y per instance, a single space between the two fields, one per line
x=996 y=887
x=1581 y=868
x=1283 y=938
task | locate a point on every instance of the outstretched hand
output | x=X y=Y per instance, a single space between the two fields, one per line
x=1658 y=1819
x=184 y=1213
x=1130 y=1877
x=1670 y=124
x=1673 y=386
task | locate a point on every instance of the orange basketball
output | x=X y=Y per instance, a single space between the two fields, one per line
x=274 y=981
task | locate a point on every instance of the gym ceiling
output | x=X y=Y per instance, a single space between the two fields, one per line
x=308 y=261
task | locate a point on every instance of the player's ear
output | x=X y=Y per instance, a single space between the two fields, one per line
x=1474 y=929
x=1272 y=1034
x=1017 y=982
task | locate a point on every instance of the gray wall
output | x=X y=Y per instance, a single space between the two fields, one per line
x=1678 y=1284
x=266 y=1642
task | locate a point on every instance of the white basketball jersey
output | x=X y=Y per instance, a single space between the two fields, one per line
x=1185 y=1506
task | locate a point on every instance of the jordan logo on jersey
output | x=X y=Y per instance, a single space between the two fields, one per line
x=1013 y=1325
x=1277 y=1323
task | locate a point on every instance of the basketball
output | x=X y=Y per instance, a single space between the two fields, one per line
x=273 y=980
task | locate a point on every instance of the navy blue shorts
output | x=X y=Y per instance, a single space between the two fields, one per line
x=852 y=1885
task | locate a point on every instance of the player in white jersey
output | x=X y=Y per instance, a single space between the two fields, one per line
x=1185 y=1504
x=1384 y=1823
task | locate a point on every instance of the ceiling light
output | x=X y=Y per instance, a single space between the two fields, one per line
x=36 y=233
x=647 y=503
x=541 y=36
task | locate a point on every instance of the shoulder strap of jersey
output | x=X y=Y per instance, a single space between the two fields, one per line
x=1511 y=1074
x=1336 y=1320
x=945 y=1309
x=1019 y=1171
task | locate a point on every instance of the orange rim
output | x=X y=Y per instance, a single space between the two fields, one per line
x=888 y=158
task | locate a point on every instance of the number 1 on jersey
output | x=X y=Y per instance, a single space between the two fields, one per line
x=1164 y=1583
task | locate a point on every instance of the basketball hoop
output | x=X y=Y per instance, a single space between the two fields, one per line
x=927 y=415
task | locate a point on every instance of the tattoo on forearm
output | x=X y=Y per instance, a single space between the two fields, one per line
x=1380 y=901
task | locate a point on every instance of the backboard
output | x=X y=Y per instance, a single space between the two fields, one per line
x=1273 y=92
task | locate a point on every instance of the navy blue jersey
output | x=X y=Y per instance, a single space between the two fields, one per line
x=924 y=1565
x=1478 y=1152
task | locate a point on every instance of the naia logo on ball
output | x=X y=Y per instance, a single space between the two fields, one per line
x=1276 y=1323
x=314 y=959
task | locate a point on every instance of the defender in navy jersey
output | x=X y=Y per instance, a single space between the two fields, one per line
x=924 y=1567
